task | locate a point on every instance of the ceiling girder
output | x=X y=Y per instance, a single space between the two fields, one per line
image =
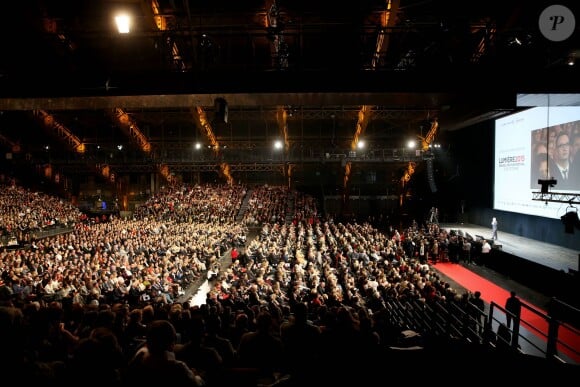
x=395 y=101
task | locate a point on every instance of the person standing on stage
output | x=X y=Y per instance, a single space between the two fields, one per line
x=494 y=229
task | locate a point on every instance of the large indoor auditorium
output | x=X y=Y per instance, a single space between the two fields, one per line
x=283 y=193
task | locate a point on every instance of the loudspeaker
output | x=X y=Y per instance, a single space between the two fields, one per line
x=221 y=110
x=431 y=176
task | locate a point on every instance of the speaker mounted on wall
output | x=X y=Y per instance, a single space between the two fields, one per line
x=221 y=110
x=431 y=175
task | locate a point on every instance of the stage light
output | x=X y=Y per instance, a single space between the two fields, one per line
x=123 y=22
x=570 y=220
x=571 y=61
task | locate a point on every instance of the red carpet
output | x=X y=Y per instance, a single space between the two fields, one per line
x=490 y=292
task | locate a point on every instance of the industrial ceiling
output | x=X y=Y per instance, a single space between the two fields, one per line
x=78 y=99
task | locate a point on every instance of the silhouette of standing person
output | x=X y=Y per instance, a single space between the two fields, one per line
x=514 y=306
x=477 y=312
x=494 y=229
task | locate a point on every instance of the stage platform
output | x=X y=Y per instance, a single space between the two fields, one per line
x=545 y=254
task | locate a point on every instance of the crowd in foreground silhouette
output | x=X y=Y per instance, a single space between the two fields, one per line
x=300 y=302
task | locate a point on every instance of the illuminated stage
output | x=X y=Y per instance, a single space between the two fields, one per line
x=545 y=254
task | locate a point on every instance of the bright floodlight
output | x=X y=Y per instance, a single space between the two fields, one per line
x=123 y=22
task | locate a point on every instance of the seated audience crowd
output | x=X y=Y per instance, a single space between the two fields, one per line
x=302 y=300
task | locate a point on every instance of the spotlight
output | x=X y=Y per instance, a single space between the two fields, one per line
x=205 y=42
x=571 y=221
x=571 y=61
x=123 y=22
